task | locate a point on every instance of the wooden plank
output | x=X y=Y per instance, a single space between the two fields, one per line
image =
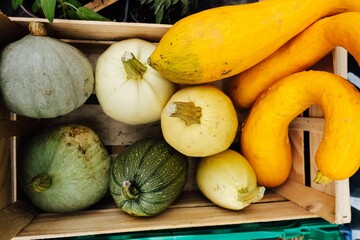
x=114 y=221
x=309 y=198
x=297 y=148
x=97 y=5
x=15 y=217
x=342 y=188
x=17 y=128
x=110 y=131
x=9 y=30
x=98 y=30
x=312 y=124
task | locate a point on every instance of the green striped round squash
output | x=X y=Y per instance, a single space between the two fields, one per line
x=147 y=177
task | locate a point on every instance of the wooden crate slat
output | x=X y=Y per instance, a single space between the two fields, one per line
x=15 y=217
x=309 y=198
x=97 y=30
x=114 y=221
x=110 y=131
x=9 y=30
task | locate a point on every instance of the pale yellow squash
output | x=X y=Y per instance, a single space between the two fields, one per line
x=221 y=42
x=199 y=121
x=228 y=180
x=300 y=53
x=265 y=142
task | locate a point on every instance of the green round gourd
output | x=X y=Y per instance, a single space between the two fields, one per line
x=43 y=77
x=147 y=177
x=64 y=168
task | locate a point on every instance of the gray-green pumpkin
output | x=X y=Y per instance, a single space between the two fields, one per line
x=43 y=77
x=64 y=168
x=147 y=177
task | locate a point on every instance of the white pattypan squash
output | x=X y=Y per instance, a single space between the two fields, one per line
x=127 y=88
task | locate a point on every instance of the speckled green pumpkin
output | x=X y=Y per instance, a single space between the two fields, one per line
x=43 y=77
x=147 y=177
x=64 y=169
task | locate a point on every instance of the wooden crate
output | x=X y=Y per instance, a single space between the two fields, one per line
x=297 y=198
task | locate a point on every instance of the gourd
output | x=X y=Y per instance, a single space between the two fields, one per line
x=64 y=169
x=265 y=142
x=147 y=177
x=199 y=121
x=300 y=53
x=43 y=77
x=127 y=88
x=228 y=180
x=221 y=42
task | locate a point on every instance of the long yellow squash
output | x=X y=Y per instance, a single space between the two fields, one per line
x=220 y=42
x=300 y=53
x=264 y=140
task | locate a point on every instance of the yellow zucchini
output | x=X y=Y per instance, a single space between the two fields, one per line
x=221 y=42
x=265 y=142
x=300 y=53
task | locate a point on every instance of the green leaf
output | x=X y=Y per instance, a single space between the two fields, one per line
x=88 y=14
x=36 y=6
x=159 y=15
x=48 y=7
x=75 y=3
x=16 y=3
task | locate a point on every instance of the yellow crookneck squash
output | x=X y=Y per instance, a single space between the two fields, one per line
x=265 y=142
x=300 y=53
x=221 y=42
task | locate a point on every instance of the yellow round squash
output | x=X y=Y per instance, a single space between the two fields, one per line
x=199 y=121
x=265 y=142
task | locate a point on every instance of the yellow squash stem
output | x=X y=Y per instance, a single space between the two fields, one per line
x=186 y=111
x=321 y=178
x=133 y=67
x=248 y=197
x=41 y=183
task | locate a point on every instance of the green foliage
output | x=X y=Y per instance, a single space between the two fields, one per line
x=70 y=9
x=161 y=6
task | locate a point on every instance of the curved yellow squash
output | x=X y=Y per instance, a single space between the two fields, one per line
x=300 y=53
x=220 y=42
x=264 y=140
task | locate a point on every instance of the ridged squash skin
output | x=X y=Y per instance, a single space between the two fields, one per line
x=43 y=77
x=299 y=54
x=265 y=142
x=75 y=163
x=147 y=177
x=220 y=42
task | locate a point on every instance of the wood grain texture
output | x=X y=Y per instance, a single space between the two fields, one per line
x=15 y=217
x=97 y=30
x=310 y=199
x=199 y=214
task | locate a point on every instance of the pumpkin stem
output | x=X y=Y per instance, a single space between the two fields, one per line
x=133 y=67
x=40 y=183
x=250 y=197
x=37 y=29
x=322 y=179
x=186 y=111
x=129 y=190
